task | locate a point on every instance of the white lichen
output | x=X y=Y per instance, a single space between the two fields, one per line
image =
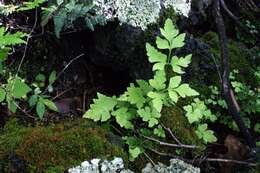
x=139 y=13
x=180 y=6
x=99 y=166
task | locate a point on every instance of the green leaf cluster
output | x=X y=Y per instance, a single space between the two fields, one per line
x=7 y=40
x=197 y=112
x=143 y=101
x=248 y=98
x=66 y=13
x=30 y=5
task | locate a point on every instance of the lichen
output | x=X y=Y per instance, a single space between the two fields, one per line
x=139 y=13
x=176 y=166
x=56 y=147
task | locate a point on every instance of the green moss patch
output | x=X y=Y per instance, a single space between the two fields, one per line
x=58 y=147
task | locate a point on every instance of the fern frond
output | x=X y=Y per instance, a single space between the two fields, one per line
x=8 y=39
x=31 y=5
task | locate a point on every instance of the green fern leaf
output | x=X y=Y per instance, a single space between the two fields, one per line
x=178 y=41
x=135 y=96
x=9 y=39
x=31 y=5
x=185 y=90
x=159 y=80
x=205 y=134
x=169 y=31
x=150 y=116
x=154 y=55
x=179 y=63
x=101 y=109
x=162 y=43
x=144 y=86
x=157 y=100
x=159 y=132
x=123 y=117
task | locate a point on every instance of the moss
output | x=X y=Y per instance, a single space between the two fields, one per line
x=241 y=57
x=58 y=147
x=174 y=119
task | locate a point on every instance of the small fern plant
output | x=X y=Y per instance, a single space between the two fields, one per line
x=66 y=13
x=14 y=89
x=144 y=100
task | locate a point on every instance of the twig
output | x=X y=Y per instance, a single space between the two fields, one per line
x=27 y=41
x=25 y=112
x=231 y=161
x=172 y=135
x=169 y=144
x=149 y=158
x=71 y=61
x=204 y=159
x=62 y=93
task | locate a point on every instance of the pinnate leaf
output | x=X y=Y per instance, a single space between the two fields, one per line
x=123 y=117
x=162 y=43
x=205 y=134
x=135 y=95
x=159 y=80
x=101 y=108
x=169 y=31
x=154 y=55
x=185 y=90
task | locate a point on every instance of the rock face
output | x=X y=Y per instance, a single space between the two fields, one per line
x=117 y=166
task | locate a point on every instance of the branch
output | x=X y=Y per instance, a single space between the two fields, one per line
x=205 y=159
x=230 y=100
x=170 y=144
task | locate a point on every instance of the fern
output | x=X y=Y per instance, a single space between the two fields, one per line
x=145 y=100
x=7 y=9
x=8 y=39
x=30 y=5
x=65 y=14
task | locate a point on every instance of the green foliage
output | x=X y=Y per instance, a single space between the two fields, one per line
x=145 y=100
x=205 y=134
x=8 y=39
x=101 y=109
x=66 y=13
x=7 y=9
x=79 y=139
x=248 y=98
x=39 y=98
x=197 y=112
x=30 y=5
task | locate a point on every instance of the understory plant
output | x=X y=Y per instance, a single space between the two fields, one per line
x=138 y=109
x=14 y=89
x=248 y=98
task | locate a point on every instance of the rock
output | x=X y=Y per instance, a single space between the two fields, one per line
x=176 y=166
x=98 y=166
x=117 y=166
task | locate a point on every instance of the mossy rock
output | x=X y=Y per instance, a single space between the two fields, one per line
x=56 y=148
x=175 y=119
